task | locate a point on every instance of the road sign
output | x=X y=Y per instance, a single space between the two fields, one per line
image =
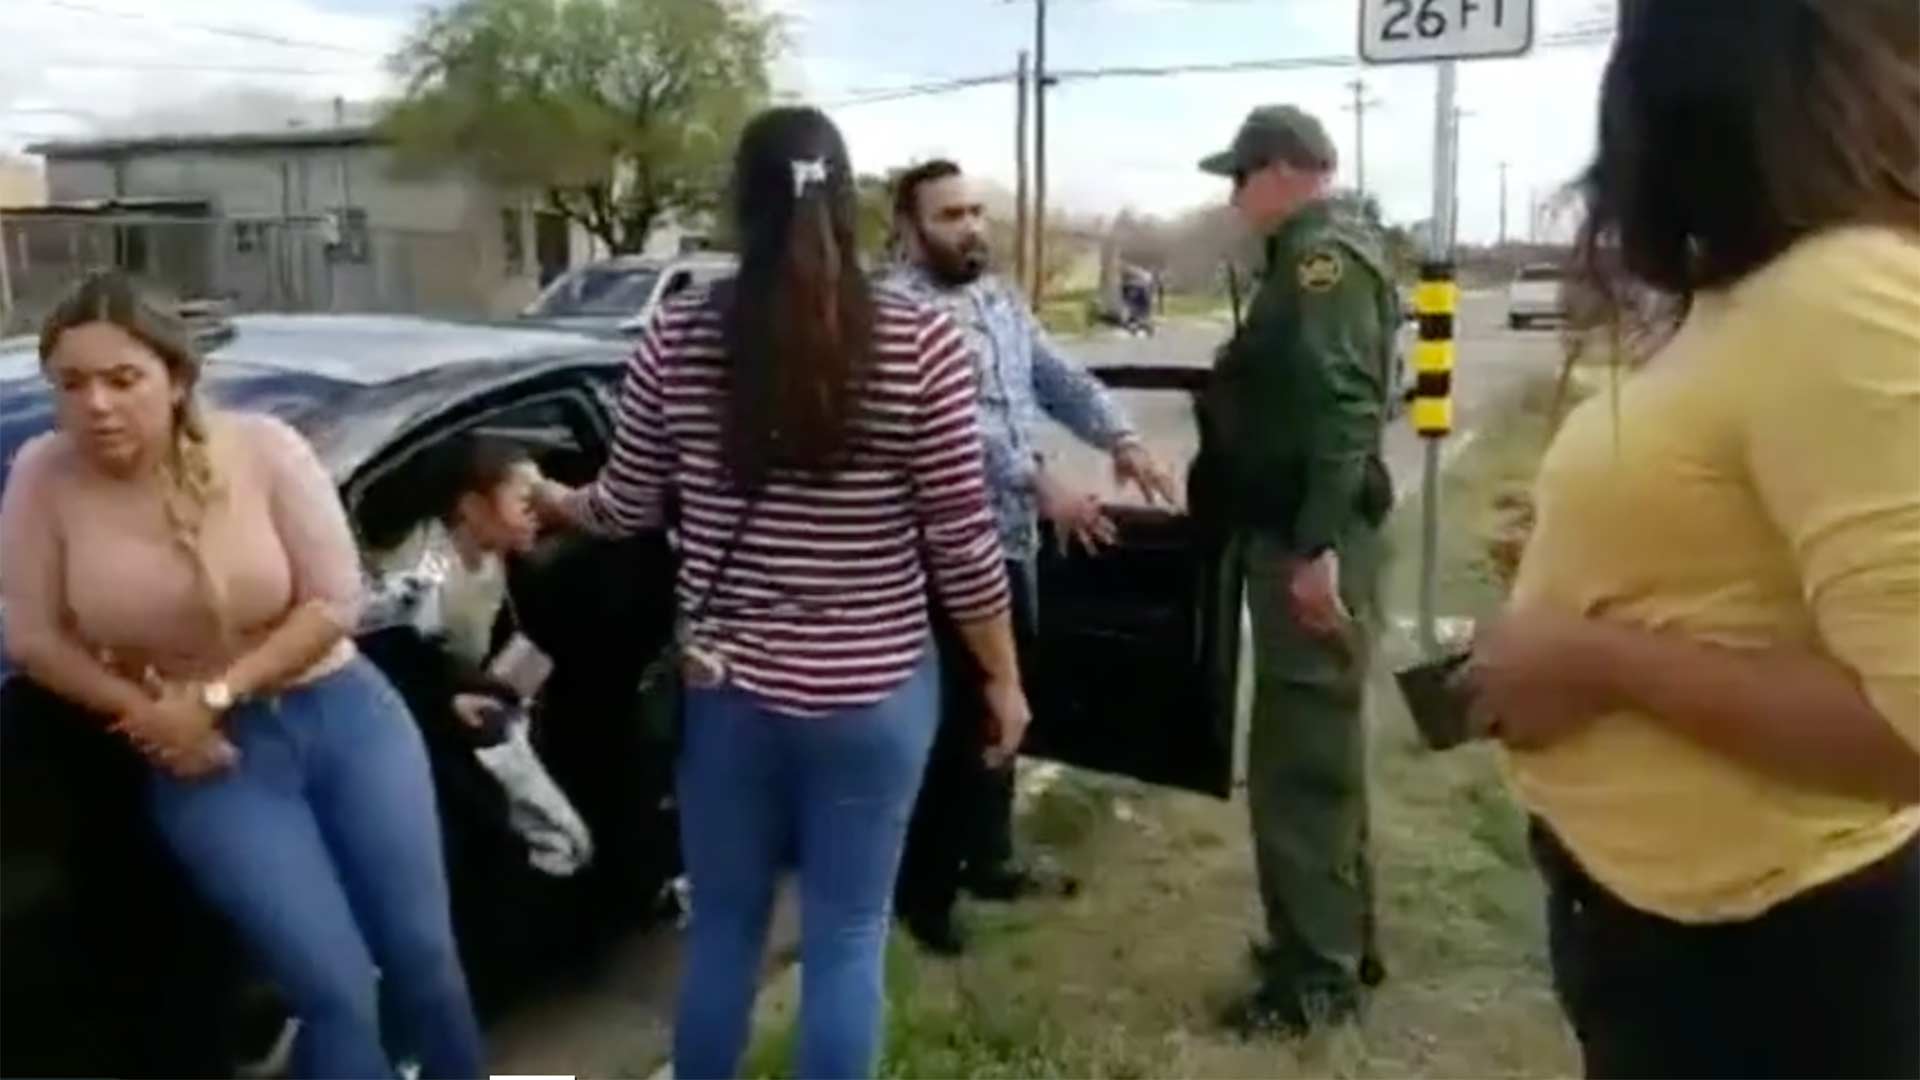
x=1412 y=31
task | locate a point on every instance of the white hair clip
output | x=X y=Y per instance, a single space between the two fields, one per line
x=808 y=171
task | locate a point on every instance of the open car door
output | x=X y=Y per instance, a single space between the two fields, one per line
x=1138 y=664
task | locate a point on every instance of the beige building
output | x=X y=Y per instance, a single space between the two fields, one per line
x=304 y=220
x=22 y=181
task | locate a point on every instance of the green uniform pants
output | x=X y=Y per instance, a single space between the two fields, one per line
x=1306 y=768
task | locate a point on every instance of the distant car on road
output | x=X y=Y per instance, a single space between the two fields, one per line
x=1536 y=295
x=615 y=296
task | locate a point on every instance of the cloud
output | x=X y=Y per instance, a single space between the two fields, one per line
x=1134 y=142
x=90 y=67
x=1113 y=143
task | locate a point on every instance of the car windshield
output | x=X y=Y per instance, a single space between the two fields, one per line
x=597 y=290
x=1541 y=273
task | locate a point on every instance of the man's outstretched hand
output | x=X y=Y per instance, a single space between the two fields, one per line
x=1077 y=516
x=1132 y=464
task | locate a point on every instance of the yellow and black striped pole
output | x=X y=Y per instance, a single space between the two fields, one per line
x=1436 y=302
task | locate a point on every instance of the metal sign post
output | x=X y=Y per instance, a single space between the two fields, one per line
x=1419 y=31
x=1435 y=302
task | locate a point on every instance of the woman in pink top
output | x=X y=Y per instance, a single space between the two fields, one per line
x=191 y=578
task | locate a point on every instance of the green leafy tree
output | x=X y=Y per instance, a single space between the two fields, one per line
x=619 y=111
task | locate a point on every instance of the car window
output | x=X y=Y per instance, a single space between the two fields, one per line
x=680 y=280
x=398 y=492
x=597 y=290
x=1542 y=273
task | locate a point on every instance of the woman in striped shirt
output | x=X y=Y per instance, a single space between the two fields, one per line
x=822 y=443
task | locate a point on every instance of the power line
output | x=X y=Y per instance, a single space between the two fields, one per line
x=1571 y=39
x=926 y=89
x=209 y=69
x=1290 y=63
x=242 y=33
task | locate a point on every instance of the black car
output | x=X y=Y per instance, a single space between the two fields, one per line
x=113 y=968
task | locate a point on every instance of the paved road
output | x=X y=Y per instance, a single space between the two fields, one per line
x=615 y=1021
x=1494 y=363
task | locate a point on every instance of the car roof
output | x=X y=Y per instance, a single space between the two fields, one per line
x=351 y=383
x=658 y=262
x=360 y=350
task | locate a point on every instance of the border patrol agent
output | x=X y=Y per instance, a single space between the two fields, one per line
x=1290 y=467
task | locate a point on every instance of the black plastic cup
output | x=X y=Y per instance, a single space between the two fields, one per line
x=1441 y=709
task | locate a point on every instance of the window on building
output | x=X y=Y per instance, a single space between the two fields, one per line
x=513 y=241
x=246 y=237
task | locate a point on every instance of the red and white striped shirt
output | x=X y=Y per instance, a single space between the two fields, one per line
x=823 y=605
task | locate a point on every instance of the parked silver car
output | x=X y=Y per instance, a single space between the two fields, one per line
x=617 y=295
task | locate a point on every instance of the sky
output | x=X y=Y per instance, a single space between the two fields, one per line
x=73 y=68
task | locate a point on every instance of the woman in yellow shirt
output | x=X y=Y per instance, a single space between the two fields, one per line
x=1709 y=675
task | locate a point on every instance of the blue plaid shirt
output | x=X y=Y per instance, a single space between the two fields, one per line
x=1021 y=375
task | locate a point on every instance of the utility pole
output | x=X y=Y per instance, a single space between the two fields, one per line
x=1361 y=103
x=340 y=123
x=6 y=283
x=1503 y=204
x=1020 y=221
x=1039 y=151
x=342 y=228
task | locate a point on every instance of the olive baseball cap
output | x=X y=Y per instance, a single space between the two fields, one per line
x=1273 y=133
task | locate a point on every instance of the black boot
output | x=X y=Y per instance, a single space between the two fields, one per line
x=937 y=929
x=1281 y=1009
x=1372 y=971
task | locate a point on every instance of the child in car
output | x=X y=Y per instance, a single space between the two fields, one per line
x=442 y=621
x=447 y=577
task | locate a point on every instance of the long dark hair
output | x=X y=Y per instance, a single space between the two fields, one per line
x=1730 y=129
x=799 y=318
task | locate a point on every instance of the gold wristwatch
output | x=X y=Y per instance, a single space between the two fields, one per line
x=217 y=696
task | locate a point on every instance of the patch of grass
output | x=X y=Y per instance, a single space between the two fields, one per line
x=1064 y=814
x=1194 y=306
x=1065 y=320
x=938 y=1028
x=1478 y=496
x=1069 y=313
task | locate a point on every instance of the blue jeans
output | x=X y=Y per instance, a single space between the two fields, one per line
x=322 y=846
x=831 y=794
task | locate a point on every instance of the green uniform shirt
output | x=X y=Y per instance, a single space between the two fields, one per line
x=1290 y=431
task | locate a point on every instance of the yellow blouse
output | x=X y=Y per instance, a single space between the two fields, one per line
x=1757 y=485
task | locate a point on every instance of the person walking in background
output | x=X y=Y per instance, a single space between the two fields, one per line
x=1708 y=674
x=190 y=577
x=1290 y=461
x=822 y=439
x=962 y=833
x=1136 y=300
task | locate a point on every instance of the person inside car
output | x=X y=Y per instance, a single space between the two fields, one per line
x=446 y=577
x=443 y=624
x=190 y=577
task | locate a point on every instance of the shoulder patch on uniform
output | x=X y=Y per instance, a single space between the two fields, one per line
x=1320 y=270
